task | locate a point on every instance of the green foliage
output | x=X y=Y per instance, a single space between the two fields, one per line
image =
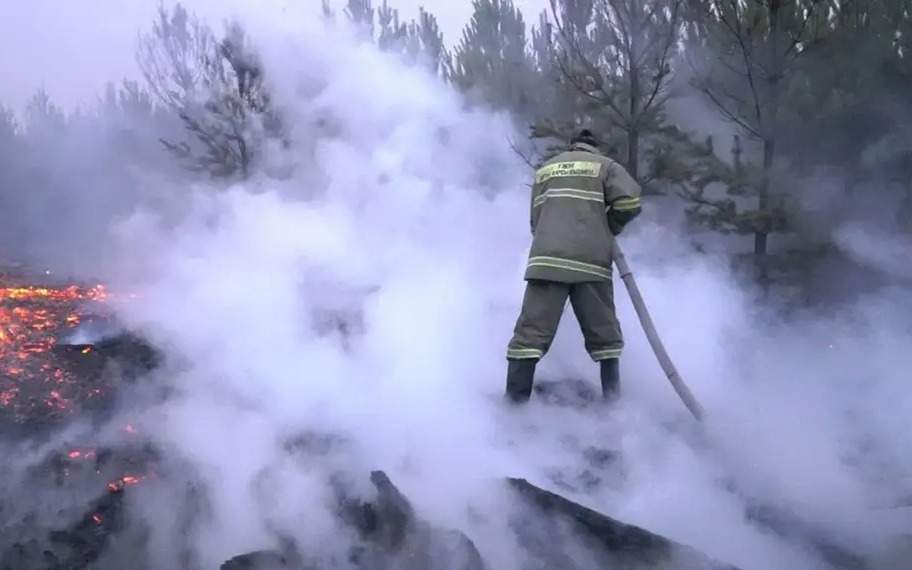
x=614 y=59
x=744 y=54
x=745 y=58
x=424 y=42
x=216 y=86
x=845 y=95
x=418 y=41
x=43 y=119
x=8 y=125
x=492 y=61
x=719 y=195
x=809 y=86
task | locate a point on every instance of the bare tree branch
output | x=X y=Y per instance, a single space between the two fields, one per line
x=214 y=86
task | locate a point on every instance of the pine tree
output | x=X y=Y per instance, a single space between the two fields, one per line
x=361 y=14
x=44 y=120
x=744 y=56
x=392 y=33
x=418 y=41
x=562 y=108
x=424 y=42
x=845 y=94
x=851 y=115
x=617 y=56
x=492 y=61
x=216 y=86
x=8 y=125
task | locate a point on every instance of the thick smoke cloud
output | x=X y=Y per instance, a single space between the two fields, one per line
x=369 y=300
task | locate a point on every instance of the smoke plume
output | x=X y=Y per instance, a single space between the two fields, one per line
x=364 y=305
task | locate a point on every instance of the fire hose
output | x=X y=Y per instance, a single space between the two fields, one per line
x=671 y=372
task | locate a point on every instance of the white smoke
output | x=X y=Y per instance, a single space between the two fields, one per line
x=876 y=249
x=371 y=297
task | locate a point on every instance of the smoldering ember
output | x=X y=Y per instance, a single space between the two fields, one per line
x=481 y=284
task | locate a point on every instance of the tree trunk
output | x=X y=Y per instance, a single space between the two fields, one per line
x=633 y=120
x=761 y=237
x=761 y=261
x=633 y=152
x=244 y=158
x=769 y=140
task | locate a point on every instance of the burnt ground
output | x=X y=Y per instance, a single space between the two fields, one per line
x=60 y=356
x=53 y=377
x=64 y=502
x=48 y=384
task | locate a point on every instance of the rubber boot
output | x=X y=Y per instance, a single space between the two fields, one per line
x=519 y=380
x=611 y=379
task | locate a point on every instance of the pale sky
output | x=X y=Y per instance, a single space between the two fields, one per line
x=73 y=47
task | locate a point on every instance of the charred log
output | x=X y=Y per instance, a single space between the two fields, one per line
x=395 y=537
x=260 y=560
x=617 y=543
x=392 y=537
x=787 y=525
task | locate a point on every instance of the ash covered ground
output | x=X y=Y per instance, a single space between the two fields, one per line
x=75 y=493
x=66 y=496
x=57 y=369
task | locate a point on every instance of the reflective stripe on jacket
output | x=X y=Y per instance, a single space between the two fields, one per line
x=580 y=200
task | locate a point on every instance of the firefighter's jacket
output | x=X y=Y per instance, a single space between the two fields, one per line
x=581 y=199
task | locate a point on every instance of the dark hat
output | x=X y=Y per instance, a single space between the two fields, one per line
x=585 y=136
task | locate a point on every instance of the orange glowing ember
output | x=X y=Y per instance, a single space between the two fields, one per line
x=77 y=454
x=96 y=293
x=124 y=482
x=32 y=319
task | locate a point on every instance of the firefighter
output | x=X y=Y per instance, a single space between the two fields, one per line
x=581 y=199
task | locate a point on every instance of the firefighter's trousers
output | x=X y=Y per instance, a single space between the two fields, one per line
x=543 y=305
